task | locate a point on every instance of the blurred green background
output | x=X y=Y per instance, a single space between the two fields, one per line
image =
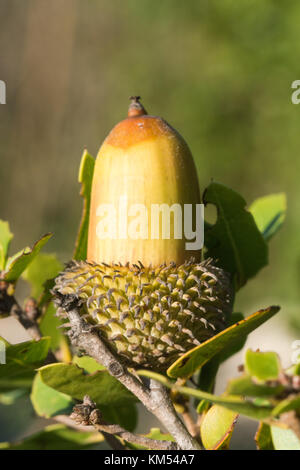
x=219 y=71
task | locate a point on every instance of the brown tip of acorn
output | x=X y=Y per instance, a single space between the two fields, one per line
x=135 y=107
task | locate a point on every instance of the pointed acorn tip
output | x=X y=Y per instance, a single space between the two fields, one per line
x=135 y=107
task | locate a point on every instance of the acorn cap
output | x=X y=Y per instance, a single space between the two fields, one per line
x=149 y=317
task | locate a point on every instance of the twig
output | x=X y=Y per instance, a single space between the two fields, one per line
x=113 y=441
x=181 y=404
x=155 y=398
x=68 y=421
x=110 y=439
x=291 y=419
x=190 y=424
x=87 y=414
x=9 y=306
x=163 y=409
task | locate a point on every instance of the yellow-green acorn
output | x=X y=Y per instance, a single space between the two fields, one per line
x=142 y=165
x=150 y=300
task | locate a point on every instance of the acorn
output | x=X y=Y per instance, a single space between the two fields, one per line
x=142 y=165
x=143 y=285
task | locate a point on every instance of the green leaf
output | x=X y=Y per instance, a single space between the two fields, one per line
x=49 y=326
x=39 y=273
x=10 y=397
x=115 y=402
x=234 y=403
x=85 y=177
x=237 y=345
x=87 y=363
x=269 y=213
x=246 y=387
x=56 y=437
x=217 y=427
x=287 y=405
x=30 y=352
x=206 y=381
x=234 y=240
x=262 y=366
x=126 y=415
x=208 y=372
x=5 y=238
x=263 y=437
x=48 y=402
x=297 y=367
x=294 y=369
x=284 y=439
x=100 y=386
x=193 y=360
x=18 y=263
x=21 y=361
x=155 y=433
x=43 y=267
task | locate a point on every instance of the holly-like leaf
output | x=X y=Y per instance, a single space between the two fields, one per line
x=85 y=177
x=21 y=361
x=263 y=437
x=234 y=241
x=217 y=427
x=56 y=437
x=73 y=381
x=45 y=266
x=269 y=213
x=234 y=403
x=17 y=264
x=48 y=402
x=193 y=360
x=262 y=366
x=284 y=438
x=5 y=239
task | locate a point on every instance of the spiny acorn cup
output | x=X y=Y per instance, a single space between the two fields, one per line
x=150 y=299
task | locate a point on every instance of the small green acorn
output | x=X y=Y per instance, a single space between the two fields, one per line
x=150 y=300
